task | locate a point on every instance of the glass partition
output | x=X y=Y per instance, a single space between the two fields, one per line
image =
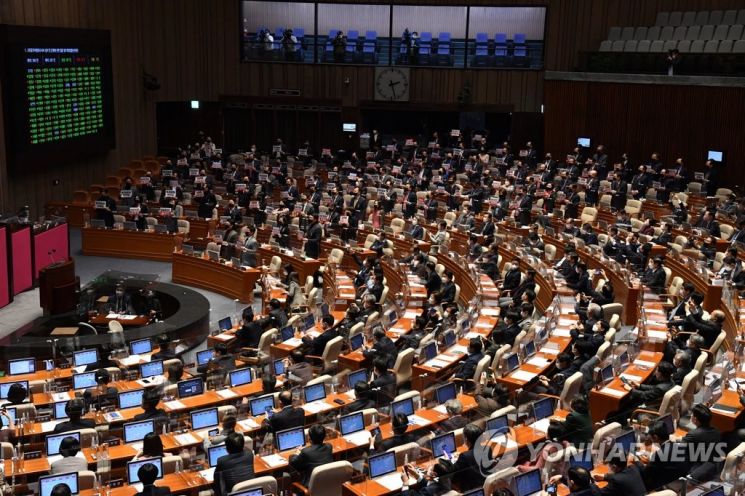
x=506 y=36
x=353 y=34
x=277 y=31
x=429 y=35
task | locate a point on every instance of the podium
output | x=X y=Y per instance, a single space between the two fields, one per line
x=58 y=288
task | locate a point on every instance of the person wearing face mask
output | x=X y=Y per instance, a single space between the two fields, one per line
x=578 y=480
x=583 y=285
x=121 y=303
x=468 y=366
x=654 y=277
x=417 y=231
x=315 y=346
x=383 y=348
x=446 y=294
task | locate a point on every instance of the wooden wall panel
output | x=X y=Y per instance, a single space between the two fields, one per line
x=676 y=121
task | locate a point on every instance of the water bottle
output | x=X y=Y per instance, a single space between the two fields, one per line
x=14 y=461
x=94 y=443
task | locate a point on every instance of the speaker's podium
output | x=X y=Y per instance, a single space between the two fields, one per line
x=58 y=288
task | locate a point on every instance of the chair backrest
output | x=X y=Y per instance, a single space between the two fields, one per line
x=275 y=264
x=602 y=433
x=402 y=367
x=572 y=387
x=493 y=480
x=611 y=309
x=555 y=461
x=414 y=395
x=267 y=483
x=171 y=464
x=671 y=402
x=408 y=451
x=26 y=410
x=336 y=256
x=589 y=214
x=518 y=340
x=733 y=458
x=6 y=450
x=550 y=252
x=328 y=479
x=266 y=340
x=688 y=389
x=718 y=344
x=480 y=368
x=325 y=379
x=86 y=480
x=331 y=351
x=498 y=356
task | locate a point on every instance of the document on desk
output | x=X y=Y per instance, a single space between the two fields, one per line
x=441 y=409
x=224 y=336
x=657 y=335
x=294 y=342
x=541 y=425
x=128 y=317
x=186 y=438
x=458 y=348
x=561 y=333
x=226 y=393
x=317 y=406
x=644 y=364
x=358 y=438
x=538 y=361
x=130 y=360
x=491 y=312
x=61 y=397
x=549 y=351
x=632 y=378
x=523 y=375
x=411 y=314
x=436 y=363
x=49 y=426
x=175 y=405
x=484 y=325
x=613 y=392
x=112 y=315
x=274 y=460
x=392 y=481
x=447 y=358
x=417 y=420
x=208 y=474
x=249 y=424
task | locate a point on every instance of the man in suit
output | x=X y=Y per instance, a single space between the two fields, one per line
x=364 y=398
x=148 y=474
x=287 y=417
x=417 y=231
x=221 y=362
x=682 y=363
x=150 y=400
x=511 y=279
x=578 y=480
x=400 y=425
x=250 y=248
x=236 y=466
x=468 y=366
x=433 y=279
x=700 y=444
x=410 y=203
x=707 y=222
x=313 y=238
x=506 y=332
x=467 y=470
x=383 y=386
x=654 y=277
x=446 y=294
x=74 y=410
x=70 y=462
x=583 y=284
x=678 y=313
x=250 y=332
x=488 y=229
x=592 y=189
x=661 y=468
x=206 y=204
x=618 y=189
x=317 y=454
x=649 y=395
x=316 y=345
x=640 y=183
x=623 y=479
x=383 y=348
x=298 y=370
x=121 y=302
x=455 y=420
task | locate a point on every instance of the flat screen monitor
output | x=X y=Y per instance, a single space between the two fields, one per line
x=48 y=482
x=392 y=317
x=136 y=431
x=382 y=464
x=667 y=420
x=151 y=369
x=623 y=359
x=445 y=392
x=204 y=419
x=529 y=349
x=626 y=441
x=429 y=351
x=85 y=357
x=498 y=425
x=582 y=459
x=11 y=412
x=405 y=406
x=355 y=377
x=288 y=333
x=250 y=492
x=314 y=393
x=716 y=491
x=260 y=405
x=130 y=399
x=4 y=387
x=279 y=367
x=140 y=347
x=349 y=424
x=512 y=361
x=584 y=142
x=449 y=338
x=84 y=381
x=54 y=440
x=203 y=356
x=59 y=410
x=310 y=322
x=443 y=445
x=543 y=408
x=606 y=373
x=190 y=387
x=225 y=324
x=240 y=377
x=133 y=467
x=349 y=127
x=356 y=341
x=290 y=439
x=528 y=483
x=21 y=366
x=215 y=453
x=715 y=155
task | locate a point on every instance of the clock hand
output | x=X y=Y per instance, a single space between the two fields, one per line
x=393 y=89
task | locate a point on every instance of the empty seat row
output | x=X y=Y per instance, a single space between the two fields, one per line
x=353 y=35
x=700 y=18
x=684 y=46
x=667 y=33
x=499 y=39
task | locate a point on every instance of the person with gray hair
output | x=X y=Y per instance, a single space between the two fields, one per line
x=682 y=362
x=454 y=408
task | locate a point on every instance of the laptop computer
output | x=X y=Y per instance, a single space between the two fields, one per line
x=4 y=387
x=84 y=381
x=383 y=470
x=151 y=369
x=428 y=352
x=528 y=483
x=132 y=467
x=356 y=341
x=262 y=404
x=136 y=431
x=130 y=399
x=626 y=441
x=239 y=377
x=287 y=333
x=204 y=419
x=225 y=324
x=582 y=459
x=21 y=366
x=190 y=387
x=53 y=441
x=140 y=347
x=204 y=356
x=279 y=367
x=290 y=439
x=316 y=392
x=84 y=357
x=355 y=377
x=352 y=428
x=511 y=362
x=48 y=482
x=498 y=425
x=443 y=445
x=445 y=392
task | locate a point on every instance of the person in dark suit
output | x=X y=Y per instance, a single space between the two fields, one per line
x=682 y=363
x=106 y=213
x=583 y=284
x=120 y=302
x=102 y=395
x=410 y=203
x=74 y=410
x=649 y=395
x=578 y=425
x=250 y=332
x=467 y=472
x=383 y=385
x=417 y=231
x=506 y=332
x=221 y=363
x=435 y=482
x=148 y=473
x=578 y=480
x=206 y=204
x=150 y=400
x=433 y=279
x=313 y=238
x=455 y=420
x=618 y=188
x=623 y=479
x=446 y=294
x=236 y=466
x=488 y=229
x=700 y=442
x=512 y=277
x=468 y=366
x=400 y=424
x=315 y=346
x=165 y=352
x=383 y=348
x=315 y=455
x=661 y=469
x=287 y=417
x=364 y=398
x=654 y=277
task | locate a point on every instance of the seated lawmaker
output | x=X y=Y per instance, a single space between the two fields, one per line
x=148 y=474
x=317 y=454
x=623 y=479
x=165 y=350
x=75 y=409
x=399 y=424
x=384 y=381
x=150 y=400
x=315 y=346
x=287 y=417
x=468 y=474
x=237 y=466
x=69 y=448
x=468 y=366
x=383 y=347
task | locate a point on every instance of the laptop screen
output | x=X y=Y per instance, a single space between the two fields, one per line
x=240 y=377
x=606 y=373
x=528 y=483
x=444 y=393
x=85 y=357
x=356 y=341
x=626 y=440
x=443 y=445
x=382 y=464
x=543 y=408
x=314 y=392
x=204 y=419
x=668 y=421
x=215 y=453
x=290 y=439
x=140 y=347
x=21 y=366
x=225 y=324
x=429 y=351
x=355 y=377
x=250 y=492
x=279 y=367
x=499 y=425
x=84 y=381
x=512 y=361
x=403 y=406
x=392 y=317
x=133 y=467
x=48 y=482
x=530 y=348
x=203 y=356
x=449 y=338
x=287 y=333
x=190 y=387
x=136 y=431
x=260 y=405
x=130 y=399
x=6 y=385
x=582 y=459
x=624 y=358
x=354 y=422
x=151 y=369
x=54 y=440
x=717 y=491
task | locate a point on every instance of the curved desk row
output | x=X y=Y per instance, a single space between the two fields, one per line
x=219 y=277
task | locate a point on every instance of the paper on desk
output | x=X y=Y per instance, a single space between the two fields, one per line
x=248 y=424
x=49 y=426
x=613 y=392
x=644 y=363
x=632 y=378
x=61 y=397
x=458 y=348
x=567 y=322
x=654 y=310
x=186 y=438
x=224 y=336
x=113 y=416
x=491 y=312
x=549 y=351
x=472 y=335
x=226 y=393
x=484 y=325
x=112 y=315
x=436 y=363
x=661 y=335
x=411 y=314
x=538 y=361
x=294 y=342
x=274 y=460
x=523 y=375
x=351 y=394
x=417 y=420
x=79 y=369
x=447 y=358
x=128 y=317
x=392 y=481
x=208 y=474
x=175 y=405
x=156 y=380
x=541 y=425
x=358 y=438
x=317 y=406
x=440 y=409
x=561 y=333
x=130 y=360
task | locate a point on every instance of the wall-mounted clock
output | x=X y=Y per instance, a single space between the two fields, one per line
x=392 y=84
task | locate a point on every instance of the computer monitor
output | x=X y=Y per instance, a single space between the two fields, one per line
x=498 y=425
x=475 y=492
x=445 y=392
x=449 y=338
x=53 y=441
x=136 y=431
x=355 y=377
x=382 y=464
x=21 y=366
x=204 y=419
x=582 y=459
x=716 y=491
x=349 y=424
x=4 y=387
x=625 y=440
x=405 y=406
x=59 y=410
x=584 y=142
x=528 y=483
x=84 y=381
x=325 y=309
x=287 y=333
x=133 y=467
x=48 y=482
x=130 y=399
x=279 y=367
x=392 y=317
x=529 y=349
x=667 y=419
x=290 y=439
x=151 y=369
x=213 y=255
x=250 y=492
x=443 y=445
x=314 y=392
x=715 y=155
x=260 y=405
x=204 y=356
x=309 y=322
x=356 y=341
x=606 y=373
x=543 y=408
x=11 y=412
x=429 y=351
x=349 y=127
x=511 y=362
x=214 y=453
x=225 y=324
x=239 y=377
x=140 y=347
x=623 y=359
x=190 y=387
x=84 y=357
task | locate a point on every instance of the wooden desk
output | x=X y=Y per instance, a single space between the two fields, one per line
x=129 y=244
x=304 y=267
x=221 y=278
x=103 y=320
